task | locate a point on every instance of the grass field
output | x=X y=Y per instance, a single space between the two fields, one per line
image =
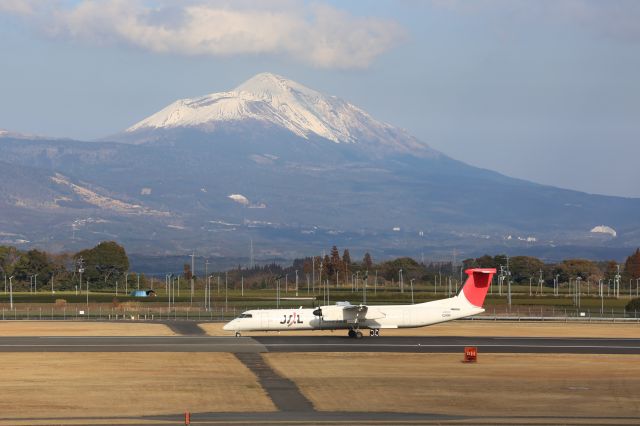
x=70 y=385
x=475 y=328
x=82 y=328
x=498 y=385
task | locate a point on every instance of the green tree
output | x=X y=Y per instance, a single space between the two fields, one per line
x=346 y=262
x=525 y=267
x=186 y=271
x=632 y=267
x=104 y=263
x=31 y=263
x=367 y=262
x=574 y=268
x=336 y=262
x=410 y=269
x=9 y=256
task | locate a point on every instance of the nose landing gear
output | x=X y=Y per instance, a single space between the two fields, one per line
x=238 y=334
x=375 y=332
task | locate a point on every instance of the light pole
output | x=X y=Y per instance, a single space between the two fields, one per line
x=193 y=256
x=207 y=294
x=541 y=282
x=600 y=286
x=411 y=282
x=209 y=301
x=35 y=283
x=578 y=280
x=364 y=285
x=297 y=281
x=401 y=282
x=169 y=281
x=11 y=291
x=313 y=273
x=80 y=269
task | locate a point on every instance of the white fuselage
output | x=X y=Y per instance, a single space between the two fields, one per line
x=386 y=316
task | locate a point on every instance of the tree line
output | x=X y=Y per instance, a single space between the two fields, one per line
x=101 y=265
x=107 y=263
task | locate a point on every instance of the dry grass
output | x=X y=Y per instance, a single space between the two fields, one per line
x=73 y=328
x=476 y=328
x=68 y=385
x=498 y=385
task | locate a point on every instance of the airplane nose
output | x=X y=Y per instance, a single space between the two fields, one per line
x=227 y=326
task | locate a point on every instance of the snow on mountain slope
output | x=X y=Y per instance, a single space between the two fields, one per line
x=274 y=100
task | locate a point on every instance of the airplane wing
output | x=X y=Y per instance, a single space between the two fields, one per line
x=350 y=313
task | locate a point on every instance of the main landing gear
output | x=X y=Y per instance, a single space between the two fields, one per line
x=355 y=333
x=375 y=332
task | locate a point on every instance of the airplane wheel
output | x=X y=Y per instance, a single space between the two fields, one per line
x=352 y=333
x=358 y=334
x=375 y=332
x=237 y=334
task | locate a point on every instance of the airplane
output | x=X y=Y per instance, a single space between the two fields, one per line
x=345 y=316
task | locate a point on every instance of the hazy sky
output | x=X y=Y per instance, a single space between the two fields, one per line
x=547 y=91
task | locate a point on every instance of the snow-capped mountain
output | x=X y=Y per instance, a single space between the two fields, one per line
x=292 y=170
x=273 y=100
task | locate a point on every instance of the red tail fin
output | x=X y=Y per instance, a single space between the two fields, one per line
x=477 y=284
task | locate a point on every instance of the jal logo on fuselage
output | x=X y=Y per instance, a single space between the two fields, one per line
x=292 y=318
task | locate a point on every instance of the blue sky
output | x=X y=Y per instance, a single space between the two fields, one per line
x=543 y=90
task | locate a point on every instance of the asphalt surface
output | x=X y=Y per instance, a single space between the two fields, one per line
x=331 y=418
x=283 y=392
x=425 y=344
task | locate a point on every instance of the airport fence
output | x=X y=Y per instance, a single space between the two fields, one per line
x=147 y=312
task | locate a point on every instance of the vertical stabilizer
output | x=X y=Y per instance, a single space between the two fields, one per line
x=477 y=284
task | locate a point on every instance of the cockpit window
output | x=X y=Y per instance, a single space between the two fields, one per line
x=245 y=316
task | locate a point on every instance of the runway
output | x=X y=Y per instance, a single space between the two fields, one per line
x=422 y=344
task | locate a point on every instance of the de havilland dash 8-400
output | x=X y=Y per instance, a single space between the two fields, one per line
x=345 y=316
